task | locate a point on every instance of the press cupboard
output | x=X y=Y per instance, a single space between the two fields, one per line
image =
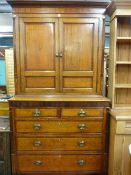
x=59 y=117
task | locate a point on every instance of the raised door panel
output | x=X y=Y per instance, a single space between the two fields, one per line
x=79 y=46
x=39 y=44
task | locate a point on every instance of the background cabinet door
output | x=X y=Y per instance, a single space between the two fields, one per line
x=38 y=48
x=79 y=54
x=5 y=168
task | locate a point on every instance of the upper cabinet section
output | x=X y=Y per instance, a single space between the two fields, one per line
x=59 y=48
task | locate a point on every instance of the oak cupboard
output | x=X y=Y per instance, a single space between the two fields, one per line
x=59 y=118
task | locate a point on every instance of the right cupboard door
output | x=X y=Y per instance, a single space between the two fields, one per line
x=79 y=55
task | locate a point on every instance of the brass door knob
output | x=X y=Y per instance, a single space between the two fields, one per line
x=57 y=54
x=61 y=54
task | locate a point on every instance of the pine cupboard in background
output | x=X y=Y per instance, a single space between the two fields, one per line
x=120 y=87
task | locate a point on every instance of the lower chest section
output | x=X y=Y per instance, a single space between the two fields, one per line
x=59 y=139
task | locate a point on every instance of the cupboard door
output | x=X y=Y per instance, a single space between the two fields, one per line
x=126 y=157
x=79 y=47
x=38 y=51
x=1 y=147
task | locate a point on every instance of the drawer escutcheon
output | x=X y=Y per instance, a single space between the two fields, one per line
x=82 y=113
x=37 y=143
x=82 y=126
x=37 y=126
x=81 y=143
x=37 y=163
x=81 y=162
x=37 y=113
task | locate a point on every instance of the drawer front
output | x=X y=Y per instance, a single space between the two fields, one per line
x=34 y=163
x=4 y=112
x=57 y=126
x=82 y=112
x=4 y=109
x=36 y=112
x=123 y=127
x=52 y=144
x=4 y=105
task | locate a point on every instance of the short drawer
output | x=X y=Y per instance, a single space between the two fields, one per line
x=52 y=144
x=35 y=163
x=82 y=112
x=35 y=113
x=59 y=126
x=4 y=109
x=4 y=105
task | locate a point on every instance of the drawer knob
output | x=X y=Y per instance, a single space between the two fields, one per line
x=81 y=162
x=82 y=113
x=81 y=143
x=37 y=143
x=37 y=163
x=36 y=113
x=82 y=126
x=36 y=126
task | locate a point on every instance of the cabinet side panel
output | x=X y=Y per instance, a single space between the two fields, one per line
x=112 y=59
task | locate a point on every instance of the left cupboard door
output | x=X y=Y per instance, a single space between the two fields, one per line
x=39 y=63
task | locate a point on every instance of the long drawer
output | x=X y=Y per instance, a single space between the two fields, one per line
x=59 y=126
x=39 y=163
x=53 y=144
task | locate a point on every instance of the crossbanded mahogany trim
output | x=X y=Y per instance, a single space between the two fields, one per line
x=62 y=104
